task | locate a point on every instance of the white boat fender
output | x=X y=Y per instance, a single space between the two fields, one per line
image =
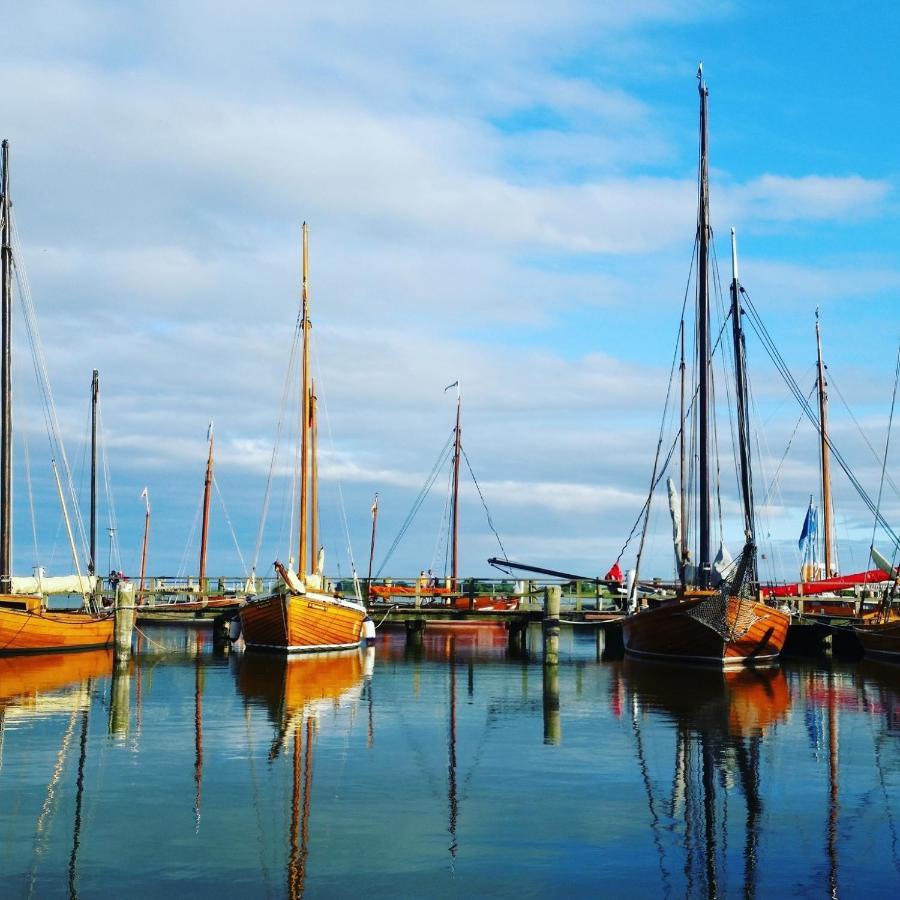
x=368 y=631
x=234 y=629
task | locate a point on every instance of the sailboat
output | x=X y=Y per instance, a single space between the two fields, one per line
x=26 y=625
x=450 y=591
x=162 y=610
x=301 y=615
x=725 y=624
x=820 y=577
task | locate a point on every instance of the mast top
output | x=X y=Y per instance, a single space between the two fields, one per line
x=734 y=259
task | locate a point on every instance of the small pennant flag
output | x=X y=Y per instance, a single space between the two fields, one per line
x=454 y=385
x=375 y=506
x=209 y=434
x=144 y=494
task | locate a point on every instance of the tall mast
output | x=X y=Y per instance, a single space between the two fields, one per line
x=705 y=550
x=304 y=412
x=207 y=490
x=740 y=383
x=454 y=557
x=5 y=378
x=372 y=544
x=826 y=462
x=314 y=481
x=145 y=495
x=682 y=487
x=95 y=396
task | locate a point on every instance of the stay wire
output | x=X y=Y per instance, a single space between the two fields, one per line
x=774 y=354
x=487 y=512
x=887 y=444
x=419 y=500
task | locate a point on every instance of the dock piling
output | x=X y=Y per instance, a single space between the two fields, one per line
x=124 y=620
x=552 y=599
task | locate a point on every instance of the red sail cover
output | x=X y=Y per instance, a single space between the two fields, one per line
x=809 y=588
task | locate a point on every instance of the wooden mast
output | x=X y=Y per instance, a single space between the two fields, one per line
x=304 y=413
x=146 y=496
x=454 y=552
x=740 y=385
x=682 y=487
x=314 y=481
x=826 y=462
x=5 y=378
x=372 y=543
x=703 y=349
x=207 y=489
x=95 y=395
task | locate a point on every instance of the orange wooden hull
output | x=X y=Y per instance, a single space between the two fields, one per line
x=42 y=631
x=755 y=633
x=881 y=641
x=301 y=623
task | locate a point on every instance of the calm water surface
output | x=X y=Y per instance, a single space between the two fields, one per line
x=454 y=769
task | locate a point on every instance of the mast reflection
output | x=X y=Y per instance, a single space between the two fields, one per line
x=293 y=691
x=720 y=719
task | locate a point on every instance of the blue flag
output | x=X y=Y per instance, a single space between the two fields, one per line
x=809 y=526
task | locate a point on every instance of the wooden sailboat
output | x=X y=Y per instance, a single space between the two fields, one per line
x=726 y=625
x=26 y=625
x=821 y=578
x=301 y=616
x=161 y=610
x=450 y=591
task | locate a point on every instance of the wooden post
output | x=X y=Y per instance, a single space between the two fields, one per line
x=552 y=598
x=124 y=619
x=552 y=724
x=470 y=591
x=415 y=630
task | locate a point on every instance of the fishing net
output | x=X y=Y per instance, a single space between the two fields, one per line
x=730 y=613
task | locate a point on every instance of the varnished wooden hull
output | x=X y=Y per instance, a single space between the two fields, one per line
x=45 y=631
x=301 y=623
x=880 y=641
x=756 y=634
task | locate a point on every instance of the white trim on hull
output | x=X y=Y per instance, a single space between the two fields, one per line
x=722 y=662
x=314 y=648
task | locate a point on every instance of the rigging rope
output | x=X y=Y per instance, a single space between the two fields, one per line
x=774 y=354
x=487 y=512
x=420 y=499
x=868 y=443
x=887 y=442
x=268 y=491
x=237 y=546
x=111 y=516
x=54 y=431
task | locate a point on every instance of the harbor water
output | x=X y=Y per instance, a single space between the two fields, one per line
x=446 y=767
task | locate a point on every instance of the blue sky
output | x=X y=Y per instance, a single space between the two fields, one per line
x=501 y=193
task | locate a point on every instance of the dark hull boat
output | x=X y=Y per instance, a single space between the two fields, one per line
x=717 y=617
x=709 y=630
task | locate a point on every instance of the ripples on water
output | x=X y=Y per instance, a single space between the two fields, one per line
x=450 y=770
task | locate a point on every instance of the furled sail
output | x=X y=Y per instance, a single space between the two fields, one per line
x=54 y=584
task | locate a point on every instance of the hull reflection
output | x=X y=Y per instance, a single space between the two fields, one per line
x=34 y=685
x=719 y=720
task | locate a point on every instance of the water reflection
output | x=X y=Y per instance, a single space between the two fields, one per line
x=670 y=782
x=719 y=721
x=294 y=691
